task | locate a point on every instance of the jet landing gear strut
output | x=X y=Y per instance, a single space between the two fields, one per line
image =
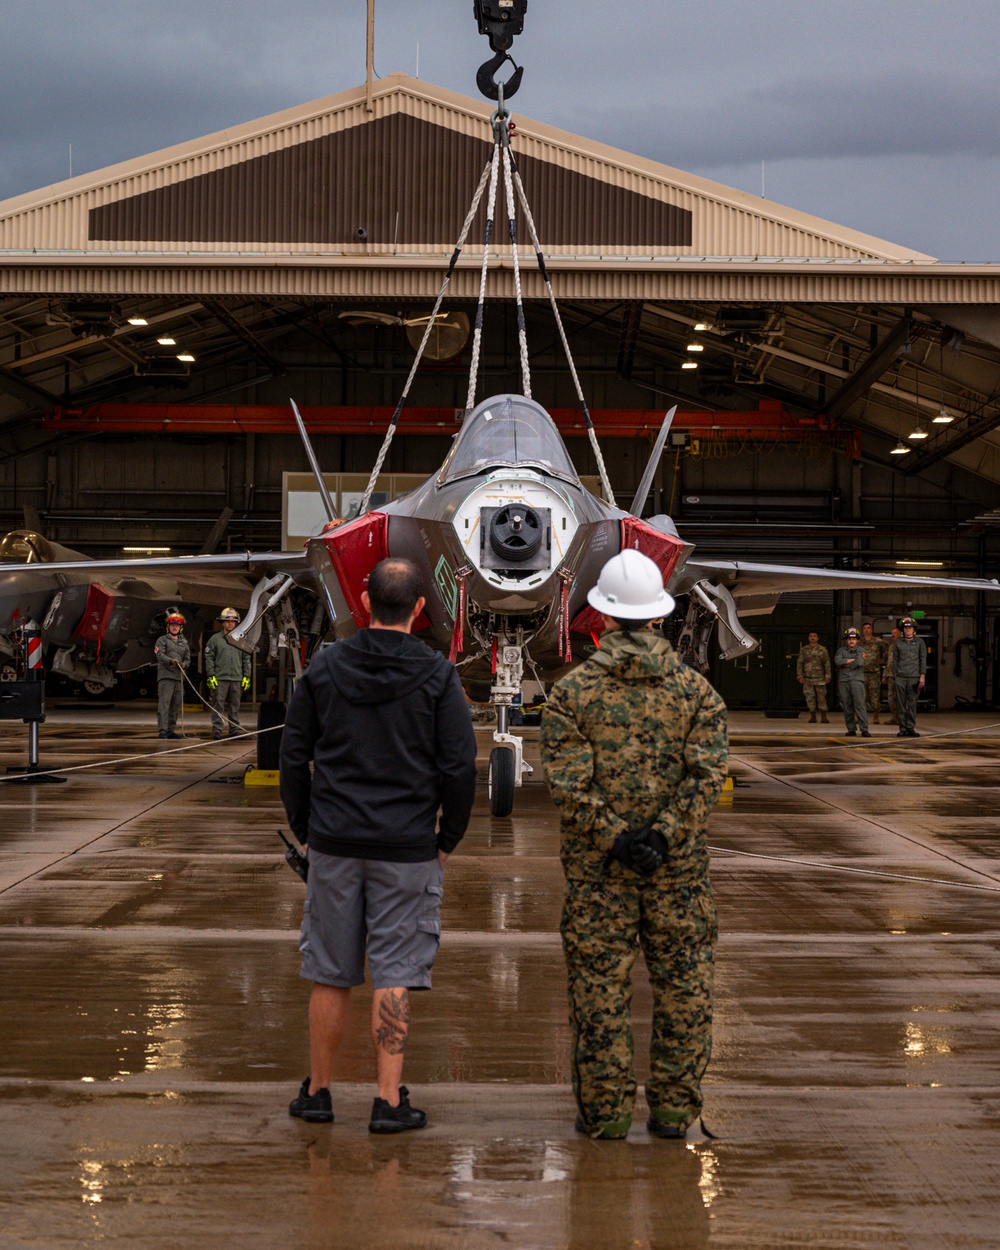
x=507 y=766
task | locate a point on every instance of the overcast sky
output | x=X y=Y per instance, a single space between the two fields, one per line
x=881 y=115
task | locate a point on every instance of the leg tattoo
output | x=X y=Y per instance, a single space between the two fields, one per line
x=394 y=1018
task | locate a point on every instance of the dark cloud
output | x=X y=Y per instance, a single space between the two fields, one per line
x=862 y=112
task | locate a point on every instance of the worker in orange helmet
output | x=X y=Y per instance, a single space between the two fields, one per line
x=173 y=656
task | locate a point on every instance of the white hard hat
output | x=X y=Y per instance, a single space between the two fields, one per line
x=229 y=614
x=630 y=588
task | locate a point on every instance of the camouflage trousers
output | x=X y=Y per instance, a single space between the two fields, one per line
x=605 y=923
x=815 y=692
x=873 y=692
x=893 y=702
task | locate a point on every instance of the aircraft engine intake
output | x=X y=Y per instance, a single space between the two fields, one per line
x=516 y=533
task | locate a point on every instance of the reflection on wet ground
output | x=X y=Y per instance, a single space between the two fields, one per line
x=154 y=1022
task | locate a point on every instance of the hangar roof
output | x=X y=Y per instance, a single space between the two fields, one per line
x=247 y=240
x=275 y=206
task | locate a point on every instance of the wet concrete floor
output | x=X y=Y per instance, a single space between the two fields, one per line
x=153 y=1022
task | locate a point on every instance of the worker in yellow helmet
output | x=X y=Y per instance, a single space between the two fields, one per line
x=227 y=674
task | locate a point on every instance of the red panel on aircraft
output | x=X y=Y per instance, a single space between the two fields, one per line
x=662 y=549
x=354 y=550
x=93 y=625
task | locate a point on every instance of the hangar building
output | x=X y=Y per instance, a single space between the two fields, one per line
x=838 y=395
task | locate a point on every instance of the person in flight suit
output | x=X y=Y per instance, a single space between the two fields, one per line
x=850 y=664
x=812 y=669
x=227 y=675
x=173 y=655
x=908 y=662
x=634 y=749
x=875 y=653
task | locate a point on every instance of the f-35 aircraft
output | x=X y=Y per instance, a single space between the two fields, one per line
x=509 y=541
x=92 y=627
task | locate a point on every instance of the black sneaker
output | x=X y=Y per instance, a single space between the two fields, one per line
x=912 y=733
x=865 y=733
x=387 y=1119
x=315 y=1108
x=175 y=737
x=660 y=1128
x=851 y=733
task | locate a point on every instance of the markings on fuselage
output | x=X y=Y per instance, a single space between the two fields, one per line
x=444 y=579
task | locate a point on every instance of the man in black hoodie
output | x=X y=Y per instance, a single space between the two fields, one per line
x=384 y=723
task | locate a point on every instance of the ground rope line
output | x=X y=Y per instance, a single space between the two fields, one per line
x=867 y=744
x=128 y=820
x=870 y=821
x=144 y=755
x=867 y=872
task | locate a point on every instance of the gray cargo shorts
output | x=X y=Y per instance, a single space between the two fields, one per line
x=390 y=911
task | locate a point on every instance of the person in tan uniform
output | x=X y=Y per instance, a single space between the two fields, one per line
x=814 y=673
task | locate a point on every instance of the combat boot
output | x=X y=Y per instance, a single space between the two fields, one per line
x=824 y=718
x=875 y=719
x=812 y=718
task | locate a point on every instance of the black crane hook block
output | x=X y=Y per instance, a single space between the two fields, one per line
x=501 y=20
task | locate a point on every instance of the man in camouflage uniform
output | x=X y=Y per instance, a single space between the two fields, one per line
x=814 y=673
x=634 y=750
x=875 y=654
x=888 y=680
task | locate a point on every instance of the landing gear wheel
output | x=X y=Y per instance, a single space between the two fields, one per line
x=500 y=781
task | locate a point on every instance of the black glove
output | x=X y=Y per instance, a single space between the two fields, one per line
x=642 y=851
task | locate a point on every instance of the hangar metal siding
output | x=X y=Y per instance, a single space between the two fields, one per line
x=323 y=190
x=315 y=277
x=724 y=222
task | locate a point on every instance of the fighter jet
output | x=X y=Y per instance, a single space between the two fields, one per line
x=508 y=541
x=93 y=627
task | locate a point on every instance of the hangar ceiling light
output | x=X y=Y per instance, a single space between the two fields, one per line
x=900 y=449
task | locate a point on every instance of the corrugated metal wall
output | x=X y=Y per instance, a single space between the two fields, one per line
x=595 y=198
x=329 y=278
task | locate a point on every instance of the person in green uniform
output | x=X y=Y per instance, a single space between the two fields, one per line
x=850 y=665
x=909 y=673
x=812 y=669
x=634 y=749
x=227 y=675
x=173 y=656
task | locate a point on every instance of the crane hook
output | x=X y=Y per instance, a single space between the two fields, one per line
x=486 y=74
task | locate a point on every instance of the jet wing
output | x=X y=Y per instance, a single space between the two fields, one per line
x=209 y=579
x=183 y=568
x=757 y=587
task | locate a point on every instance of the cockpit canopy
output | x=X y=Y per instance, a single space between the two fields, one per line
x=507 y=431
x=25 y=547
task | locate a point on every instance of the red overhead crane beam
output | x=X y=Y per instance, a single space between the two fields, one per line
x=768 y=420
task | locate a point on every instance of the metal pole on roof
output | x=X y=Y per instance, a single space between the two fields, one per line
x=370 y=58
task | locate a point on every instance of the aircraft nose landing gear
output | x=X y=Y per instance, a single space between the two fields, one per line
x=507 y=766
